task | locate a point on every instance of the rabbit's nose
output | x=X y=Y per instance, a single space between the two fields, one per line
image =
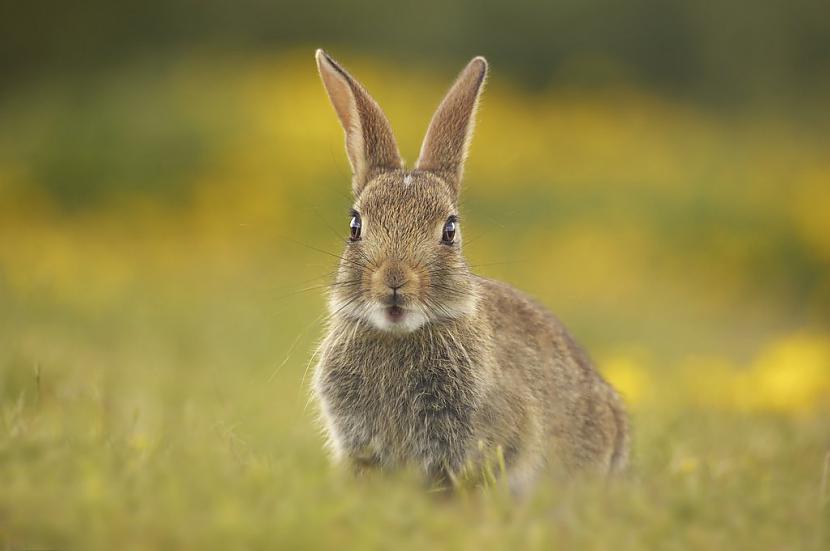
x=395 y=278
x=396 y=297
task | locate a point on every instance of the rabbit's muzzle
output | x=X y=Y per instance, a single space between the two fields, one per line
x=394 y=274
x=395 y=287
x=394 y=284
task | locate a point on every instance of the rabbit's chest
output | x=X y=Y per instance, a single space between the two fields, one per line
x=395 y=406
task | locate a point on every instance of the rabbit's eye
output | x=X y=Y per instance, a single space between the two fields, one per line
x=354 y=226
x=450 y=227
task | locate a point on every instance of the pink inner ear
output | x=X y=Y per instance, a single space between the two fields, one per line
x=339 y=92
x=343 y=99
x=369 y=141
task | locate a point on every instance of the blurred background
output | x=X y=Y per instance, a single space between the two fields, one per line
x=173 y=186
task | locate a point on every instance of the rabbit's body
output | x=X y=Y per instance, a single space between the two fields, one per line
x=508 y=377
x=425 y=363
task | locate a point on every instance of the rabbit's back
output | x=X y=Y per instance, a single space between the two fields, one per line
x=580 y=417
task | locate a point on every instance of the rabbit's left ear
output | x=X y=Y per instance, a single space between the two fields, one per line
x=370 y=144
x=448 y=137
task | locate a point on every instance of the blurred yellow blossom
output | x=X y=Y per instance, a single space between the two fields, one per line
x=790 y=374
x=628 y=376
x=793 y=374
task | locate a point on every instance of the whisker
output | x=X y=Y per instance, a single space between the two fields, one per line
x=326 y=318
x=293 y=347
x=498 y=263
x=323 y=251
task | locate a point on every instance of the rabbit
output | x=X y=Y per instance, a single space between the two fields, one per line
x=423 y=364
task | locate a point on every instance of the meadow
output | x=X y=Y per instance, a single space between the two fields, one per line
x=166 y=236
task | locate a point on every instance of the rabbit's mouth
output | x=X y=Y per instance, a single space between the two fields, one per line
x=396 y=318
x=395 y=313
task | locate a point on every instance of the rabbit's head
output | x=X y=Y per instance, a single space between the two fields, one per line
x=402 y=266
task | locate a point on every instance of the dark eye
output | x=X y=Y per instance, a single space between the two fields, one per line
x=450 y=227
x=354 y=227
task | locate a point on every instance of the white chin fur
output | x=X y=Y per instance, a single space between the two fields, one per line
x=410 y=321
x=378 y=315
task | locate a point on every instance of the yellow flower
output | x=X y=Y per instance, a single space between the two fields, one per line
x=628 y=377
x=793 y=374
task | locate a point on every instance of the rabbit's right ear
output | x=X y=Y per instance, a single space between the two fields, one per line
x=370 y=145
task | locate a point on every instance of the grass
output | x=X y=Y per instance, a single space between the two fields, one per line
x=156 y=319
x=163 y=421
x=166 y=429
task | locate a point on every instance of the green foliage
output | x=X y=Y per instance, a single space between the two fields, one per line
x=727 y=52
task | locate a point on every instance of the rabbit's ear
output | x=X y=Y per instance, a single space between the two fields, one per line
x=370 y=144
x=448 y=137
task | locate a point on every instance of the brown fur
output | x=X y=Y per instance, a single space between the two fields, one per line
x=473 y=367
